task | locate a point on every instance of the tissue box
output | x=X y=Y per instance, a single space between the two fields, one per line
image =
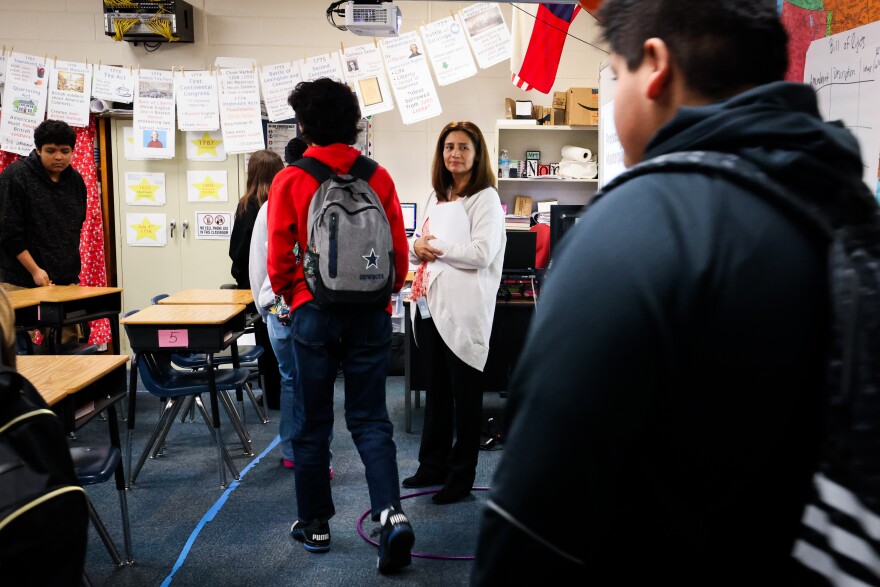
x=582 y=107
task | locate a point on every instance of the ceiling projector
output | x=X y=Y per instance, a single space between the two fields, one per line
x=369 y=19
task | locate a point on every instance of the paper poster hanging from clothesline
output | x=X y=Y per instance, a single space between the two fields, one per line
x=70 y=87
x=448 y=50
x=365 y=73
x=24 y=102
x=144 y=188
x=198 y=106
x=205 y=146
x=114 y=84
x=4 y=58
x=277 y=81
x=145 y=230
x=154 y=114
x=207 y=186
x=322 y=66
x=487 y=33
x=240 y=118
x=410 y=78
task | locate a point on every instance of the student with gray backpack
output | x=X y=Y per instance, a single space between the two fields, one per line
x=337 y=250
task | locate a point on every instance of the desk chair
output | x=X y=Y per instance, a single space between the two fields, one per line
x=97 y=464
x=248 y=357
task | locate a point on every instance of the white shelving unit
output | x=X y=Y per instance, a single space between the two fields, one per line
x=518 y=138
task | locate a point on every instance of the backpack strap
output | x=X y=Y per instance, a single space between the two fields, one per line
x=735 y=169
x=362 y=168
x=315 y=168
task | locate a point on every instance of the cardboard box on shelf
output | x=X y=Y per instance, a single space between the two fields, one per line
x=582 y=107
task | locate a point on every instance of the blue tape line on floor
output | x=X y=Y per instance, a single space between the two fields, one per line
x=209 y=515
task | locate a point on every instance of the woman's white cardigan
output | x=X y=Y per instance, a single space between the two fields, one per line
x=462 y=297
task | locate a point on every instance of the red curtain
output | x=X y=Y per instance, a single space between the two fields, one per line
x=91 y=245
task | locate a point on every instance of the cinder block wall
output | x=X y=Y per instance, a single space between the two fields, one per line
x=273 y=31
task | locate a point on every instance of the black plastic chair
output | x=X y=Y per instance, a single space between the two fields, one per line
x=97 y=464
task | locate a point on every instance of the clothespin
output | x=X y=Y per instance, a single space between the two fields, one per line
x=4 y=50
x=452 y=14
x=139 y=70
x=375 y=43
x=55 y=62
x=129 y=70
x=182 y=73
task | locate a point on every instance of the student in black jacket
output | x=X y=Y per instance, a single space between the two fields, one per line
x=664 y=417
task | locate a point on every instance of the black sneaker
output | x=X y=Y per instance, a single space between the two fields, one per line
x=315 y=536
x=395 y=540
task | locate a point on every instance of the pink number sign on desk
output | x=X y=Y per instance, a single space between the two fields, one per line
x=173 y=338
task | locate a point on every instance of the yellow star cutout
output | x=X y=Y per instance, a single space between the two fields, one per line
x=144 y=190
x=206 y=145
x=146 y=229
x=208 y=188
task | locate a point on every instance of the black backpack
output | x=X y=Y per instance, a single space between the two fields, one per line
x=350 y=255
x=43 y=511
x=840 y=537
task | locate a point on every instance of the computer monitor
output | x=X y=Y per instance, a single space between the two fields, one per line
x=562 y=218
x=409 y=217
x=519 y=254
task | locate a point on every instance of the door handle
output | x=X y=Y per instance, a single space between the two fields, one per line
x=185 y=226
x=173 y=225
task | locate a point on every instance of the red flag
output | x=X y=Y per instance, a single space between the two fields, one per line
x=539 y=33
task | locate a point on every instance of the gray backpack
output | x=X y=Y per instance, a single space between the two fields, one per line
x=350 y=255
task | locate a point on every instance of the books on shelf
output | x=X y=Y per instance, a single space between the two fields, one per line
x=516 y=222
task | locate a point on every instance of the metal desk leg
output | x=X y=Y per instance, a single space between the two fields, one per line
x=215 y=418
x=132 y=392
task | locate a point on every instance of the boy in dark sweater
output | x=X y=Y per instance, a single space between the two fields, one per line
x=42 y=210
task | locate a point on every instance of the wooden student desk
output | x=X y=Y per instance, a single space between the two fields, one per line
x=26 y=309
x=78 y=379
x=210 y=296
x=64 y=305
x=166 y=328
x=69 y=381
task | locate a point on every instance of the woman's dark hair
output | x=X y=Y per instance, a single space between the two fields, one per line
x=722 y=47
x=482 y=175
x=54 y=132
x=327 y=111
x=262 y=167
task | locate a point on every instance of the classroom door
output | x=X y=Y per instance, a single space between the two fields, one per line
x=183 y=260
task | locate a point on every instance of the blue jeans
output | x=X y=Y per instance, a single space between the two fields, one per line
x=281 y=337
x=358 y=339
